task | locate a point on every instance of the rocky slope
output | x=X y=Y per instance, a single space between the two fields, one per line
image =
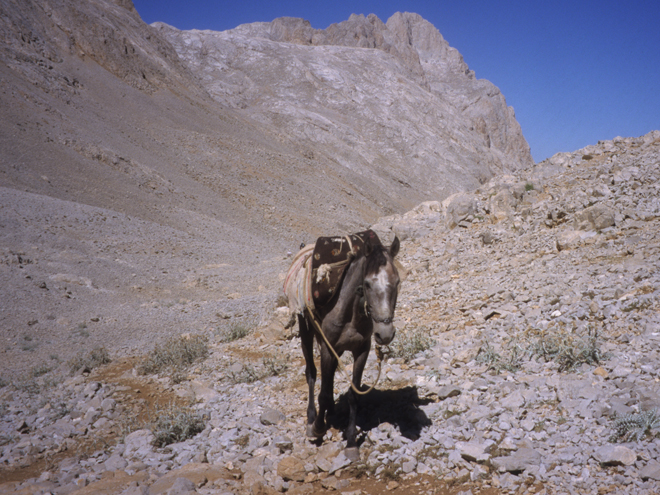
x=128 y=185
x=392 y=102
x=536 y=297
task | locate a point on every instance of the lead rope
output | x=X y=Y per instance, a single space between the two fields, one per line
x=380 y=355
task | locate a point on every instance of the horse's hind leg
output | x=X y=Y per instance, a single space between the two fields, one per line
x=307 y=343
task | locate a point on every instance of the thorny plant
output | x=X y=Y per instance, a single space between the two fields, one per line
x=495 y=361
x=175 y=355
x=568 y=351
x=93 y=359
x=175 y=424
x=409 y=343
x=634 y=426
x=269 y=367
x=236 y=331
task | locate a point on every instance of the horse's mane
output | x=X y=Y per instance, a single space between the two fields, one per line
x=376 y=258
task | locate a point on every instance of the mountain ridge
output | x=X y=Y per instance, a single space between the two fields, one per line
x=418 y=106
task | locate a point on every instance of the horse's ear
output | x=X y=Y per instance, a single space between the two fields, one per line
x=394 y=248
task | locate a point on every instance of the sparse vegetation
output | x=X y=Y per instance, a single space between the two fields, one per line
x=80 y=331
x=243 y=441
x=274 y=366
x=236 y=331
x=176 y=424
x=175 y=355
x=568 y=351
x=95 y=358
x=407 y=345
x=269 y=367
x=635 y=426
x=495 y=361
x=529 y=187
x=391 y=473
x=40 y=370
x=27 y=344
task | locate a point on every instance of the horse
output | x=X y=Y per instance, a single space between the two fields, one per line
x=362 y=306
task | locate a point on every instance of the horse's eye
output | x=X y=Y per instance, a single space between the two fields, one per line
x=367 y=285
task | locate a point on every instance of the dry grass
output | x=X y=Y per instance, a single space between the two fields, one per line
x=175 y=424
x=408 y=344
x=270 y=366
x=93 y=359
x=175 y=355
x=236 y=331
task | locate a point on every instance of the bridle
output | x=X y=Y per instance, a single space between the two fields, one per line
x=375 y=319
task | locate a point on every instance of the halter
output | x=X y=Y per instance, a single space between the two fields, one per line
x=375 y=319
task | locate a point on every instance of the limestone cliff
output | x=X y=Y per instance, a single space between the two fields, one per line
x=393 y=102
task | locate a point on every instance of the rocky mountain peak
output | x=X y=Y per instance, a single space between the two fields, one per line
x=392 y=102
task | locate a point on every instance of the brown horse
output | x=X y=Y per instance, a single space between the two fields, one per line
x=363 y=306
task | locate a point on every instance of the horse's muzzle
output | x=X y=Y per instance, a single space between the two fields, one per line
x=384 y=333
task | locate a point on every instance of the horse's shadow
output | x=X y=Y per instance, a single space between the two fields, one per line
x=397 y=407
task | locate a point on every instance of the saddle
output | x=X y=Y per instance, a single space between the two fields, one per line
x=331 y=257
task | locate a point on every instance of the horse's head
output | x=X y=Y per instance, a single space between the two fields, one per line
x=381 y=287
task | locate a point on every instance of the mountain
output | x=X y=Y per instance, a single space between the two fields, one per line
x=391 y=102
x=143 y=168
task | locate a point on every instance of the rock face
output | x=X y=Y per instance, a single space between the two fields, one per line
x=392 y=102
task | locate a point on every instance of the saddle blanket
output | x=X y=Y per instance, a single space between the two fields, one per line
x=317 y=269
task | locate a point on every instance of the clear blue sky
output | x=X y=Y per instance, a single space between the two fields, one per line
x=576 y=72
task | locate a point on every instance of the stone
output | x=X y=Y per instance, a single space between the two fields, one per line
x=115 y=462
x=271 y=417
x=474 y=451
x=283 y=443
x=650 y=471
x=291 y=468
x=596 y=217
x=615 y=455
x=569 y=239
x=340 y=462
x=459 y=207
x=138 y=444
x=479 y=473
x=517 y=462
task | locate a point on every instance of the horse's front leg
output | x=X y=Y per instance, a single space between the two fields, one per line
x=326 y=395
x=360 y=360
x=307 y=344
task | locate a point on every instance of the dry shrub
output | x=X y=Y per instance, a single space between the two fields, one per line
x=176 y=424
x=175 y=355
x=408 y=344
x=87 y=362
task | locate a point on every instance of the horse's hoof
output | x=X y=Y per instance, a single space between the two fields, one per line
x=312 y=432
x=352 y=453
